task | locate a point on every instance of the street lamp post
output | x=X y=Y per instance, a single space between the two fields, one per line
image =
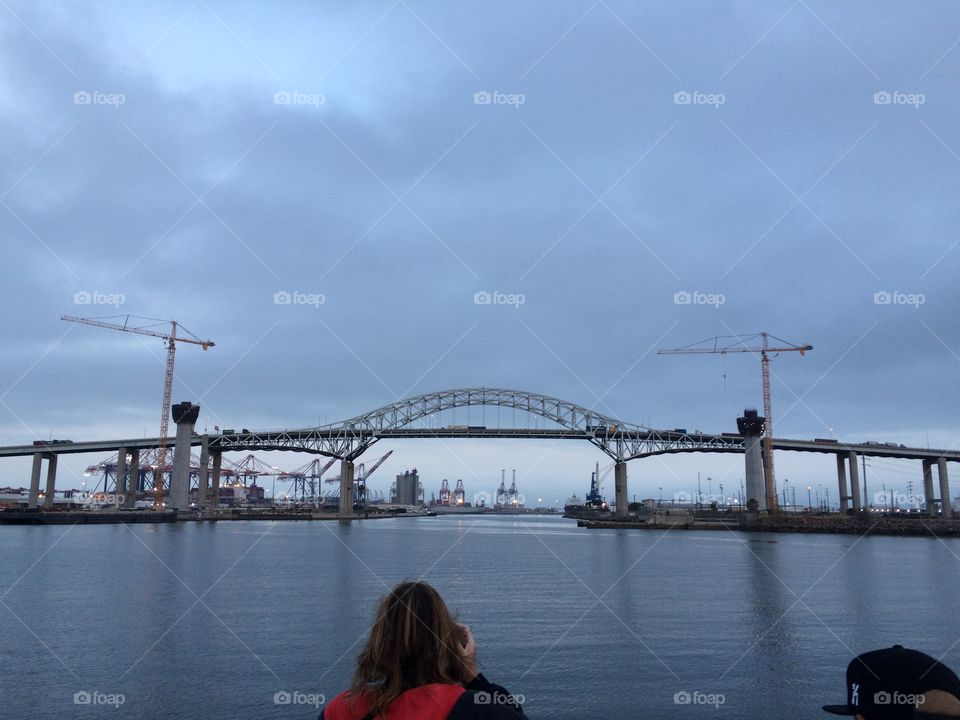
x=809 y=500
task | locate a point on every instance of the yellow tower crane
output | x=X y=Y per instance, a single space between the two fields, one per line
x=740 y=343
x=172 y=339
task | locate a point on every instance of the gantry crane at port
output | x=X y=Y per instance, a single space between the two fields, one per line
x=739 y=344
x=307 y=476
x=172 y=339
x=361 y=478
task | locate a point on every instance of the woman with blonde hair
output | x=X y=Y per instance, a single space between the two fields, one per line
x=419 y=662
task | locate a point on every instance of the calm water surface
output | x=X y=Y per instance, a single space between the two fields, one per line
x=213 y=620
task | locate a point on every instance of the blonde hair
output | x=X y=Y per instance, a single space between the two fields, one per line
x=414 y=641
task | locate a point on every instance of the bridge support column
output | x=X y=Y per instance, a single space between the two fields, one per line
x=185 y=416
x=346 y=488
x=133 y=482
x=946 y=503
x=34 y=496
x=854 y=481
x=202 y=475
x=842 y=482
x=928 y=499
x=620 y=489
x=751 y=427
x=120 y=486
x=756 y=486
x=215 y=480
x=51 y=480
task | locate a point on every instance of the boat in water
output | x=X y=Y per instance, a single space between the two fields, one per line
x=594 y=507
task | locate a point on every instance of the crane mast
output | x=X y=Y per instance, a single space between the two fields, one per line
x=172 y=339
x=737 y=344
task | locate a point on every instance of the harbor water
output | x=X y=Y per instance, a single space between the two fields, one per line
x=264 y=620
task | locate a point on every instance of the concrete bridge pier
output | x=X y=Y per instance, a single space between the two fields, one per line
x=946 y=504
x=842 y=482
x=346 y=488
x=51 y=480
x=120 y=486
x=133 y=481
x=203 y=474
x=756 y=487
x=185 y=416
x=751 y=427
x=928 y=498
x=854 y=481
x=620 y=489
x=35 y=480
x=214 y=496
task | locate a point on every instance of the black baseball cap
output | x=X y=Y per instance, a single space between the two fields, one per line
x=898 y=682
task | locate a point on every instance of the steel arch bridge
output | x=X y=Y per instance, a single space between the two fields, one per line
x=350 y=438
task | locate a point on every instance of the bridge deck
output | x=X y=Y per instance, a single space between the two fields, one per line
x=662 y=442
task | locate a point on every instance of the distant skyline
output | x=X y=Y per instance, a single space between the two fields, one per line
x=363 y=202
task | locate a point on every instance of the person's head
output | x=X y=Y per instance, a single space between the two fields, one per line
x=898 y=683
x=414 y=641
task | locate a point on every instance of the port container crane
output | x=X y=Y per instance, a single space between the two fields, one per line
x=172 y=339
x=362 y=480
x=723 y=344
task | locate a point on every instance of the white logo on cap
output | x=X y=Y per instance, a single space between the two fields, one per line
x=855 y=694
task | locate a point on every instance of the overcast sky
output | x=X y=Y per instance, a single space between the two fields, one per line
x=783 y=167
